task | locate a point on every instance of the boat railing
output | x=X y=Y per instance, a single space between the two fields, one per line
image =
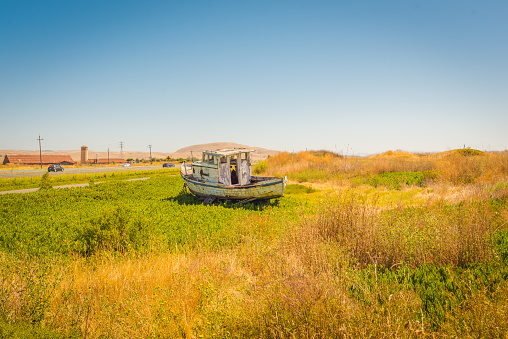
x=185 y=168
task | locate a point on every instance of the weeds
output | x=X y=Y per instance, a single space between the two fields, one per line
x=260 y=167
x=116 y=229
x=439 y=233
x=298 y=189
x=45 y=181
x=27 y=287
x=459 y=168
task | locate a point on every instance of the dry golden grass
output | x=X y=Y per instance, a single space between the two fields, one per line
x=460 y=169
x=455 y=167
x=434 y=233
x=134 y=297
x=332 y=167
x=296 y=288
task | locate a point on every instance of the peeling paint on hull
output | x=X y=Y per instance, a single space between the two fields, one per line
x=265 y=189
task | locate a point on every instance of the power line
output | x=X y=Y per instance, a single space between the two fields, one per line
x=40 y=150
x=104 y=146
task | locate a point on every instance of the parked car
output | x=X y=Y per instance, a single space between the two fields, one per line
x=55 y=168
x=127 y=164
x=168 y=164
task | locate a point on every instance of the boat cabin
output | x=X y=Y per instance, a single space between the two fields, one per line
x=225 y=166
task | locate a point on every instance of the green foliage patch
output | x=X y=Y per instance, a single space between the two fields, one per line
x=442 y=289
x=116 y=229
x=45 y=181
x=260 y=167
x=298 y=189
x=501 y=243
x=7 y=184
x=130 y=215
x=314 y=174
x=27 y=330
x=468 y=152
x=396 y=180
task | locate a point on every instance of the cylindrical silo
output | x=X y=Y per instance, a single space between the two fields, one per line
x=84 y=154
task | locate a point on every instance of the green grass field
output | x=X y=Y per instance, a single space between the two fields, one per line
x=399 y=254
x=9 y=184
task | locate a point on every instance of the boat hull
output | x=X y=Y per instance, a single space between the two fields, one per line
x=264 y=189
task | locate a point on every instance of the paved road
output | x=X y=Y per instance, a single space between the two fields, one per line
x=70 y=170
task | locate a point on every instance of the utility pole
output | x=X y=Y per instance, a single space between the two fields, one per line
x=192 y=157
x=121 y=149
x=108 y=155
x=150 y=146
x=40 y=150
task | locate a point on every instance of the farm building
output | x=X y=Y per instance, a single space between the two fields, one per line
x=102 y=161
x=106 y=161
x=25 y=159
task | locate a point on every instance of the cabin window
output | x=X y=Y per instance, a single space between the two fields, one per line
x=210 y=159
x=244 y=156
x=223 y=160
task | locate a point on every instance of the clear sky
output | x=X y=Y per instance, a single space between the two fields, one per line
x=357 y=77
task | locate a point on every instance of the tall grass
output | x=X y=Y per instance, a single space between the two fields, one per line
x=332 y=166
x=438 y=233
x=455 y=167
x=460 y=169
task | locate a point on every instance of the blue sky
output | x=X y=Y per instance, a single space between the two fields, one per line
x=360 y=77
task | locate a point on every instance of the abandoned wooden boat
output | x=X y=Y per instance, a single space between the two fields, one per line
x=226 y=175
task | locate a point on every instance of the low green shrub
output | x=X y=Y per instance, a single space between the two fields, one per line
x=501 y=243
x=298 y=189
x=260 y=167
x=469 y=152
x=116 y=229
x=442 y=289
x=396 y=180
x=24 y=330
x=312 y=174
x=45 y=181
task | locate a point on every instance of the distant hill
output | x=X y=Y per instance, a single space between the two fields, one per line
x=460 y=151
x=259 y=154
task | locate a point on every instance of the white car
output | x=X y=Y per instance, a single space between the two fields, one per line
x=127 y=164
